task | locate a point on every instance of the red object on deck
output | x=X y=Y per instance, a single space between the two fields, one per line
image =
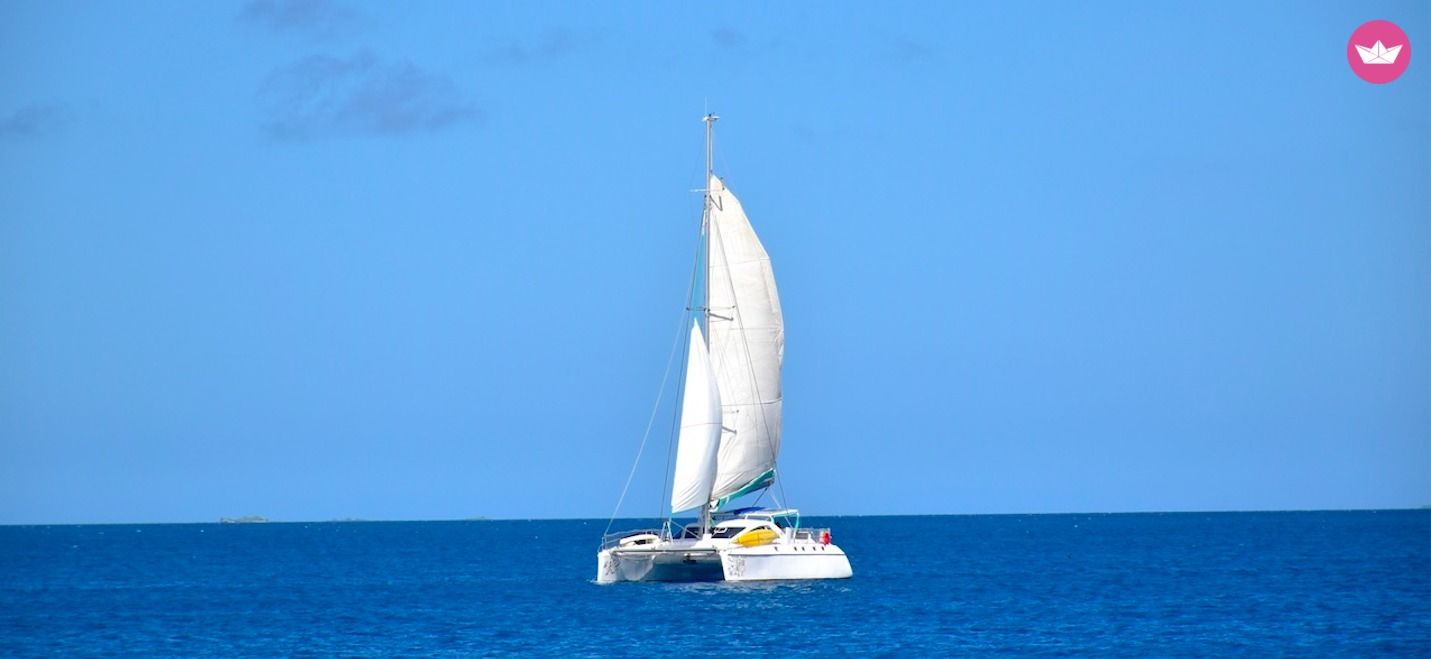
x=825 y=538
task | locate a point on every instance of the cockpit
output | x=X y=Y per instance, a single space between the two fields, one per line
x=724 y=532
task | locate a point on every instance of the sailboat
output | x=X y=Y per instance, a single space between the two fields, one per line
x=729 y=438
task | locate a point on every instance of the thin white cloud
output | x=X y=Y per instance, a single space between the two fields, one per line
x=323 y=96
x=728 y=37
x=314 y=18
x=554 y=44
x=33 y=120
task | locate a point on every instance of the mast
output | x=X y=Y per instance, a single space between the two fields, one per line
x=705 y=306
x=709 y=120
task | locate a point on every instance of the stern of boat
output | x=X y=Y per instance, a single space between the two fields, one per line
x=805 y=554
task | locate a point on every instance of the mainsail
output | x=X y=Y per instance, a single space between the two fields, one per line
x=700 y=430
x=747 y=344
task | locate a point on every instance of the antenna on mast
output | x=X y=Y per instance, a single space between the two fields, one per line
x=710 y=120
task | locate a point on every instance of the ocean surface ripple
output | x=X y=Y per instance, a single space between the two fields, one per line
x=1282 y=583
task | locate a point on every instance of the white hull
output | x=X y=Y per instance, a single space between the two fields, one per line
x=751 y=548
x=682 y=565
x=783 y=561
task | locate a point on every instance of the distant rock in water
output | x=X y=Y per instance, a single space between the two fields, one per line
x=246 y=519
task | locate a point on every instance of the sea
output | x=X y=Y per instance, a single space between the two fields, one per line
x=1177 y=584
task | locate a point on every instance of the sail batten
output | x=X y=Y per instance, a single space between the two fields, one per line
x=747 y=342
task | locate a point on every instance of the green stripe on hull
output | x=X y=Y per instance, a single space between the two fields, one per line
x=763 y=480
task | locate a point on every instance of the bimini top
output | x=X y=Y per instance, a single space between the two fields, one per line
x=739 y=511
x=756 y=512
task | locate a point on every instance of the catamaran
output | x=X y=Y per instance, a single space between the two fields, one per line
x=729 y=436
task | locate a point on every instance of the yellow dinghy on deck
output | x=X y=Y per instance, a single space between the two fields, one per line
x=755 y=538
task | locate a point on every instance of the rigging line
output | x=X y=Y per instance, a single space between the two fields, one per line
x=750 y=367
x=660 y=392
x=646 y=435
x=671 y=441
x=680 y=397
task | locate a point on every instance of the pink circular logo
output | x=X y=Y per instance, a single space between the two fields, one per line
x=1378 y=52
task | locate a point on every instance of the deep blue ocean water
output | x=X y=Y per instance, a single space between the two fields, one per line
x=1301 y=583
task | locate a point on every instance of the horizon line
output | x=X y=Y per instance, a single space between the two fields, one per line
x=481 y=518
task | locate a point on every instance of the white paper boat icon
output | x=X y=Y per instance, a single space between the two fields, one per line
x=1378 y=54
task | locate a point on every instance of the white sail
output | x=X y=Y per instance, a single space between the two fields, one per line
x=747 y=344
x=700 y=430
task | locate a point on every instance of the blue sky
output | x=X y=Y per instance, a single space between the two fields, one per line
x=317 y=260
